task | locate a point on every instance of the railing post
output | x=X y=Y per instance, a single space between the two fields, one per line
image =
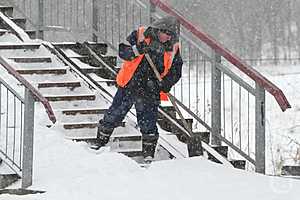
x=95 y=20
x=260 y=138
x=27 y=161
x=40 y=32
x=152 y=12
x=216 y=99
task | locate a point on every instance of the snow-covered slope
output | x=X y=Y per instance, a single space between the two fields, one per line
x=67 y=170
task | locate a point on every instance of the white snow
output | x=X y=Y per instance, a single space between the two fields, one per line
x=67 y=170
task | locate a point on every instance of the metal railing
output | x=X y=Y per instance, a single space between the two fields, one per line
x=220 y=92
x=236 y=95
x=17 y=99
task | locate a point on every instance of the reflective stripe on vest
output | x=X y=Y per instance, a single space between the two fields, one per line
x=129 y=67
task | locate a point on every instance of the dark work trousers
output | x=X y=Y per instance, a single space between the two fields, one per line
x=146 y=111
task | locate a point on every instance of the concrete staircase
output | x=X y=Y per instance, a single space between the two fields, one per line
x=68 y=81
x=77 y=104
x=105 y=78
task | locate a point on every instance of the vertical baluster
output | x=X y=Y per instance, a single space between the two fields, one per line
x=197 y=85
x=189 y=74
x=24 y=6
x=14 y=127
x=204 y=90
x=240 y=118
x=95 y=20
x=0 y=109
x=28 y=140
x=29 y=9
x=21 y=133
x=6 y=125
x=216 y=99
x=64 y=13
x=152 y=11
x=40 y=31
x=132 y=15
x=119 y=23
x=224 y=105
x=71 y=13
x=260 y=137
x=57 y=12
x=248 y=123
x=140 y=13
x=105 y=21
x=84 y=14
x=231 y=109
x=77 y=11
x=126 y=17
x=112 y=22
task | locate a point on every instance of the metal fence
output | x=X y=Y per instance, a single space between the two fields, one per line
x=17 y=98
x=214 y=92
x=16 y=135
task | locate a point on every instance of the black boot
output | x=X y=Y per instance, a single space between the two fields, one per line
x=103 y=135
x=149 y=142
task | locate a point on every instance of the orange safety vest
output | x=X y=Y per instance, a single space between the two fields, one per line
x=128 y=67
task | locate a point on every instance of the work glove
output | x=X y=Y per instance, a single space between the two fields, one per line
x=142 y=47
x=154 y=46
x=164 y=86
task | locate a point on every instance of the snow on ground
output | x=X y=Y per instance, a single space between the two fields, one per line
x=68 y=170
x=283 y=128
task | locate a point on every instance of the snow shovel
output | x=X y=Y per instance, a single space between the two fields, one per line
x=194 y=141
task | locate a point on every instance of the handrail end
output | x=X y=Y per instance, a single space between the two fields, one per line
x=282 y=101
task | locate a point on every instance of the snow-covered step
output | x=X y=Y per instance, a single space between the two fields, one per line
x=69 y=119
x=84 y=111
x=31 y=59
x=8 y=179
x=54 y=70
x=70 y=84
x=70 y=97
x=80 y=114
x=67 y=47
x=87 y=70
x=91 y=133
x=14 y=46
x=7 y=10
x=290 y=170
x=222 y=150
x=129 y=146
x=123 y=139
x=39 y=78
x=61 y=105
x=99 y=79
x=75 y=91
x=80 y=125
x=110 y=60
x=239 y=164
x=125 y=144
x=105 y=83
x=205 y=136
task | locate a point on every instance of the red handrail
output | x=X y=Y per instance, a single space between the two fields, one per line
x=231 y=57
x=34 y=91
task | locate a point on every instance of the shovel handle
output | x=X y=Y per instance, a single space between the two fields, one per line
x=154 y=68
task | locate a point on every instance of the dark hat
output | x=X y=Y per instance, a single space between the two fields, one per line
x=168 y=24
